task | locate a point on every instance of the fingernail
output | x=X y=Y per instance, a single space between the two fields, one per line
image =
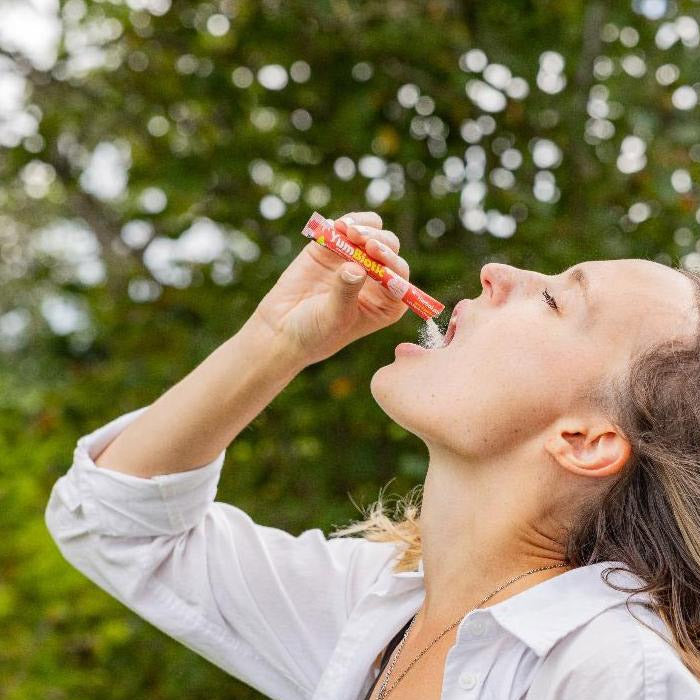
x=364 y=230
x=348 y=220
x=381 y=246
x=350 y=276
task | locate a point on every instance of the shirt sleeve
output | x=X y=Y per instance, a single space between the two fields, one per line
x=264 y=605
x=614 y=657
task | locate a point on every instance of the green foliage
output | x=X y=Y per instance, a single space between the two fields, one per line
x=165 y=95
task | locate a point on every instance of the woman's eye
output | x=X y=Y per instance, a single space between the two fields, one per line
x=550 y=300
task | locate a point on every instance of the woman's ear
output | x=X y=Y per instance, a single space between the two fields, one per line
x=593 y=449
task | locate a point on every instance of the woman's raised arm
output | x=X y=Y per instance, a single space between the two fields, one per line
x=198 y=417
x=313 y=310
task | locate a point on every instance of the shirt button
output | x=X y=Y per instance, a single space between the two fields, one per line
x=477 y=628
x=467 y=680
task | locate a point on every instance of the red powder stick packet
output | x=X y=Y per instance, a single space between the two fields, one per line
x=324 y=233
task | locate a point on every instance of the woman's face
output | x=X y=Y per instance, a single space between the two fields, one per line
x=519 y=358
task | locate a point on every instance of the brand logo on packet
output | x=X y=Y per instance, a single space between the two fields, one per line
x=370 y=264
x=342 y=244
x=355 y=253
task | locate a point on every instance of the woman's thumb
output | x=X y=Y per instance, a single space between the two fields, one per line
x=350 y=279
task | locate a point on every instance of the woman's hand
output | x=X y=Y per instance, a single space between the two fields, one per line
x=321 y=302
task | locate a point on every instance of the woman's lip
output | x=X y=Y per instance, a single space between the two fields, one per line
x=460 y=306
x=409 y=349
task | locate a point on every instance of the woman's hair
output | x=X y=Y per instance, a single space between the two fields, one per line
x=649 y=519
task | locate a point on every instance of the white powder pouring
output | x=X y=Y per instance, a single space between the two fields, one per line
x=430 y=336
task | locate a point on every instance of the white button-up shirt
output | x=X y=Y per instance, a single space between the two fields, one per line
x=306 y=616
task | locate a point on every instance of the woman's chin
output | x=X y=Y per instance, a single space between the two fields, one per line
x=387 y=380
x=387 y=390
x=383 y=387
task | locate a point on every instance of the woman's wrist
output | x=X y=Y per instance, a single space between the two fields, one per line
x=272 y=346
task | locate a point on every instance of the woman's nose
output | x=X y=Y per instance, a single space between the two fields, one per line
x=497 y=280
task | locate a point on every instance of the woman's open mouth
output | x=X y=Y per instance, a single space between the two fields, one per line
x=451 y=330
x=431 y=337
x=458 y=311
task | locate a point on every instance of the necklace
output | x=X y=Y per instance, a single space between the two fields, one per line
x=384 y=691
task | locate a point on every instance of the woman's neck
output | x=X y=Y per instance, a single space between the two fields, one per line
x=477 y=532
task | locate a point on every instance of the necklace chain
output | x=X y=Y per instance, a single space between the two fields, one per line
x=384 y=691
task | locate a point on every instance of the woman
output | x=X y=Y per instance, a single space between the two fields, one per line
x=563 y=430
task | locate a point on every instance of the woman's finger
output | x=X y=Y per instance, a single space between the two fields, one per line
x=379 y=251
x=360 y=234
x=364 y=218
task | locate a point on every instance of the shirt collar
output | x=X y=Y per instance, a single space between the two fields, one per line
x=541 y=615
